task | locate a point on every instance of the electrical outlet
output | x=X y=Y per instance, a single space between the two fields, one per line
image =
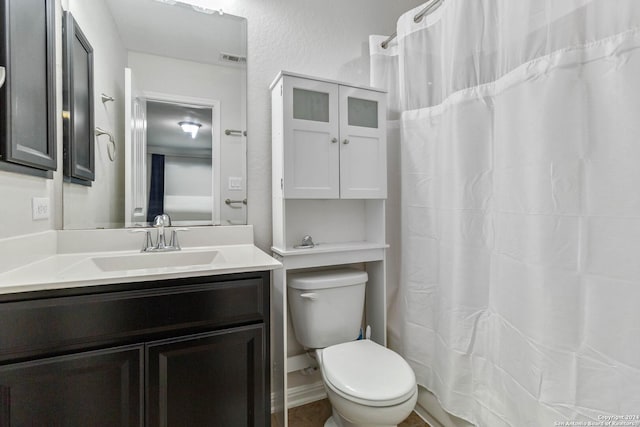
x=235 y=183
x=40 y=207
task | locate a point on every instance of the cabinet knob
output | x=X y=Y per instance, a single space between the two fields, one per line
x=346 y=141
x=334 y=140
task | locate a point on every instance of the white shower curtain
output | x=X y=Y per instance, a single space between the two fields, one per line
x=517 y=124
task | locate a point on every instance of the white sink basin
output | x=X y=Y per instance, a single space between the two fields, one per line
x=156 y=260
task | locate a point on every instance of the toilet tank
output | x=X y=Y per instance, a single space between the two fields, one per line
x=326 y=306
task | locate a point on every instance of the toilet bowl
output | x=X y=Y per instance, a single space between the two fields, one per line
x=368 y=385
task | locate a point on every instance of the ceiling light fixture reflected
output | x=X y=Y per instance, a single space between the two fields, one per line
x=206 y=10
x=190 y=127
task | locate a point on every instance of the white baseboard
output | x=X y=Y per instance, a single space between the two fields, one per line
x=304 y=394
x=426 y=417
x=301 y=395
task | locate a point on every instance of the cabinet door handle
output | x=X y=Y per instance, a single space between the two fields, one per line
x=345 y=142
x=334 y=140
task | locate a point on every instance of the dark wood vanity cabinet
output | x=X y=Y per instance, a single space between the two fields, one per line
x=185 y=352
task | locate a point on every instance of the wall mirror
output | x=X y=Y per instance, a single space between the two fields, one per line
x=170 y=91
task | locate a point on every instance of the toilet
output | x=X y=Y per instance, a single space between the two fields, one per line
x=367 y=384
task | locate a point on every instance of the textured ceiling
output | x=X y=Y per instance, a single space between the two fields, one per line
x=178 y=31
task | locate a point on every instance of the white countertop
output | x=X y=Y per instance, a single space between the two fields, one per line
x=76 y=270
x=68 y=269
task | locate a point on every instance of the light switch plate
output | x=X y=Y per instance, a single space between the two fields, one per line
x=235 y=183
x=40 y=206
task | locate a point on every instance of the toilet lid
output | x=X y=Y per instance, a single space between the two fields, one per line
x=368 y=372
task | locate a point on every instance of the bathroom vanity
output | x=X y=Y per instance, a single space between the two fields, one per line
x=173 y=352
x=88 y=344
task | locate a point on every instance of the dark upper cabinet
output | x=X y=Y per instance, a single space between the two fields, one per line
x=77 y=99
x=27 y=99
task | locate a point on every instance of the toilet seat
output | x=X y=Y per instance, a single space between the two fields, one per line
x=367 y=373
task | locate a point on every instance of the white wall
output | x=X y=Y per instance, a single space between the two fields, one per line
x=102 y=204
x=187 y=176
x=324 y=38
x=187 y=188
x=17 y=190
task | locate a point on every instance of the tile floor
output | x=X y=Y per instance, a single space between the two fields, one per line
x=314 y=415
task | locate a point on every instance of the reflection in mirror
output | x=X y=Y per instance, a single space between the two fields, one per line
x=179 y=164
x=164 y=64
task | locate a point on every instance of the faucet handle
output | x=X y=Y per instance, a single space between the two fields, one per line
x=147 y=243
x=163 y=220
x=174 y=237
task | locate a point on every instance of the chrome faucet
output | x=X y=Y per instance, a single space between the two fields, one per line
x=160 y=222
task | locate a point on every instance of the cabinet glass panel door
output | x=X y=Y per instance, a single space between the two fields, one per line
x=363 y=151
x=362 y=112
x=310 y=105
x=311 y=151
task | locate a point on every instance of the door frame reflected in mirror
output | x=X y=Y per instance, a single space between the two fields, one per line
x=136 y=216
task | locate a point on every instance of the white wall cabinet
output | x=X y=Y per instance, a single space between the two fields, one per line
x=332 y=137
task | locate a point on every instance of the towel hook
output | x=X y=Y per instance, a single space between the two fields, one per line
x=111 y=148
x=106 y=98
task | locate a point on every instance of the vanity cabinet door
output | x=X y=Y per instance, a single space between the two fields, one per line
x=363 y=148
x=98 y=388
x=311 y=149
x=215 y=379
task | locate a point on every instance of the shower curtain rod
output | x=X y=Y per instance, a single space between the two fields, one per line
x=424 y=12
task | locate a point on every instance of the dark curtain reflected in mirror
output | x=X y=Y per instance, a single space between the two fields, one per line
x=156 y=187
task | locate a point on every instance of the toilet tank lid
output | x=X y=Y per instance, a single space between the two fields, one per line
x=327 y=279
